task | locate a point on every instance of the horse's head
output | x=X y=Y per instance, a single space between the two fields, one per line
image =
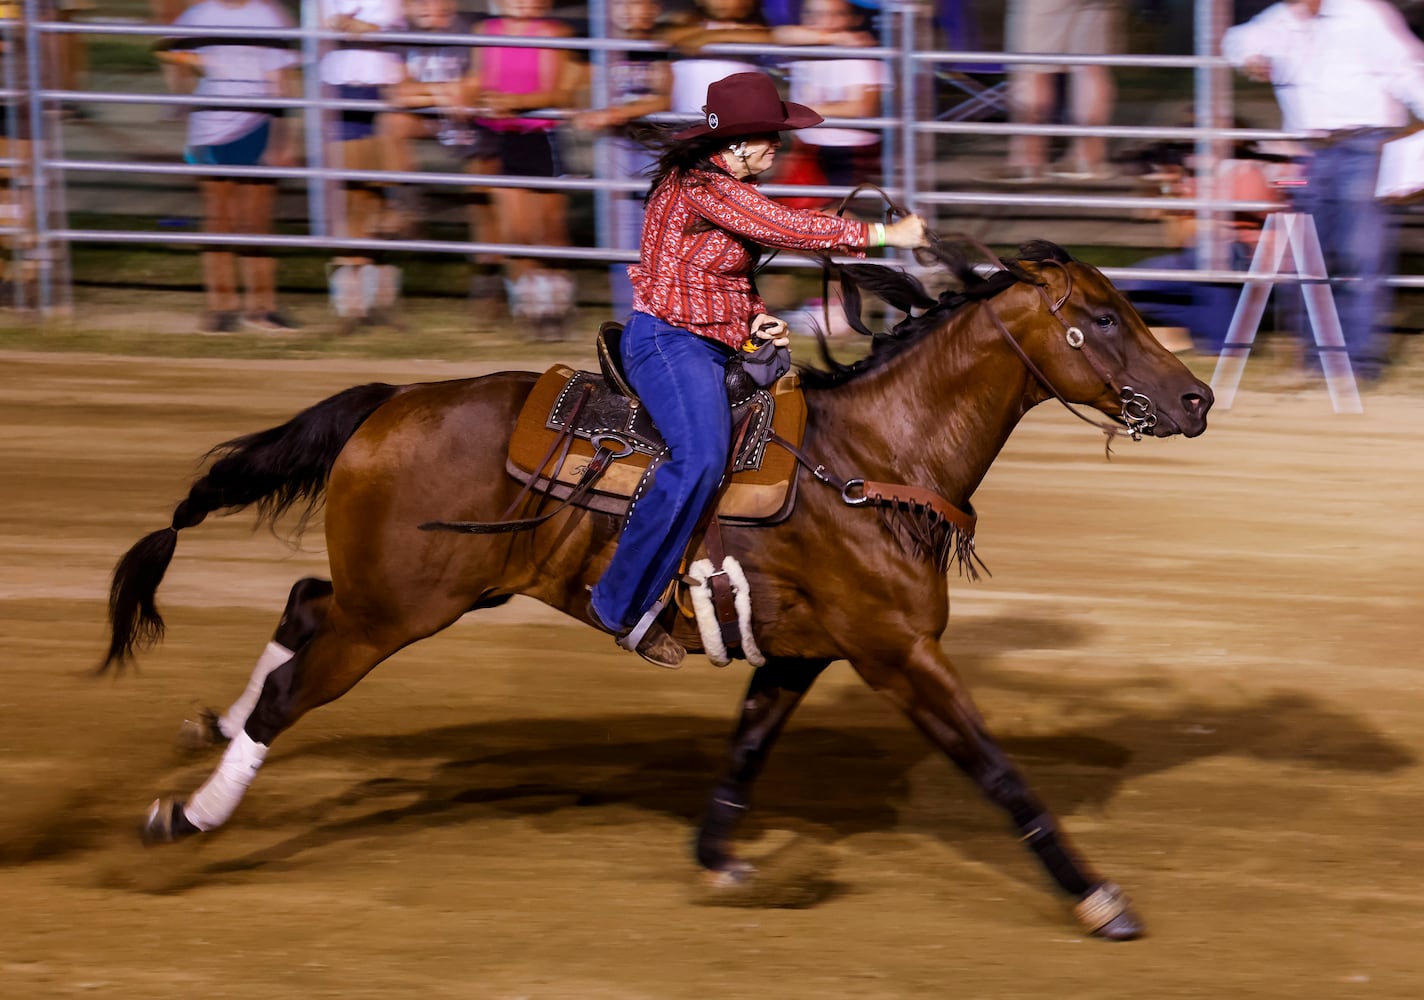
x=1087 y=344
x=1079 y=338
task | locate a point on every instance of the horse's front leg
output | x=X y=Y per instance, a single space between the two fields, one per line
x=773 y=694
x=928 y=690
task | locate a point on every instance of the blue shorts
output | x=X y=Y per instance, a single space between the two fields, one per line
x=244 y=152
x=352 y=125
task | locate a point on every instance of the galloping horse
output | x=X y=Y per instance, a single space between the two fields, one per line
x=931 y=406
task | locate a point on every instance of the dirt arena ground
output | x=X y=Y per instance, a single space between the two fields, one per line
x=1205 y=654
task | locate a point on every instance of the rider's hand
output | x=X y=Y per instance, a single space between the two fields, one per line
x=908 y=233
x=766 y=327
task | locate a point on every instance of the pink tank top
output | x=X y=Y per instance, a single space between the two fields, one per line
x=511 y=70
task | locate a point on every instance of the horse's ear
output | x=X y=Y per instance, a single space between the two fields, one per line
x=1053 y=277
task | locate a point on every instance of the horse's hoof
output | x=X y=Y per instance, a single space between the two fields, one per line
x=1126 y=926
x=202 y=733
x=792 y=877
x=165 y=823
x=733 y=874
x=1106 y=912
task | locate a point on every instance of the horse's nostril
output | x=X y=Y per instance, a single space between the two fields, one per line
x=1194 y=402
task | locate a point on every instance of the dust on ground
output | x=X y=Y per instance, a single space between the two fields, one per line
x=1204 y=654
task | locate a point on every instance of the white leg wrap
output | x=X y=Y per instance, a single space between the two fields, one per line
x=701 y=592
x=235 y=717
x=211 y=805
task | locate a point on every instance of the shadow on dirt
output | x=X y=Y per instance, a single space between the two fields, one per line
x=844 y=767
x=847 y=765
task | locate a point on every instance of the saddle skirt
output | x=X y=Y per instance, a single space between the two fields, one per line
x=764 y=474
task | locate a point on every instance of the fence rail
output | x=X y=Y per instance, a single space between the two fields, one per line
x=40 y=235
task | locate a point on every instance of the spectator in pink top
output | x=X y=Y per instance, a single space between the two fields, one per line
x=513 y=81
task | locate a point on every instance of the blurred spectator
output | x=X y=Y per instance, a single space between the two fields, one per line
x=1070 y=27
x=837 y=87
x=69 y=59
x=17 y=264
x=1345 y=78
x=362 y=290
x=1204 y=310
x=714 y=22
x=437 y=86
x=178 y=79
x=236 y=137
x=514 y=81
x=639 y=84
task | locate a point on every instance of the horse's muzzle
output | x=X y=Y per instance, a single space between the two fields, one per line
x=1188 y=417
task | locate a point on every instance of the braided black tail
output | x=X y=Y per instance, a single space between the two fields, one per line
x=275 y=469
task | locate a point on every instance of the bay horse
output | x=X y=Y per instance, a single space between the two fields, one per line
x=930 y=406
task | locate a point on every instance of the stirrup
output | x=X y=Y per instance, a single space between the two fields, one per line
x=630 y=639
x=652 y=642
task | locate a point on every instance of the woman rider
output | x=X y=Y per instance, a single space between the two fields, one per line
x=694 y=305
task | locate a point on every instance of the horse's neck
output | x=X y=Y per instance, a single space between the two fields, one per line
x=936 y=416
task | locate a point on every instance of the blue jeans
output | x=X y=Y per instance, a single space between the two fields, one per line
x=1357 y=236
x=679 y=377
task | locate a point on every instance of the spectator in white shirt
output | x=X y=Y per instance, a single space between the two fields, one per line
x=236 y=137
x=362 y=291
x=1347 y=72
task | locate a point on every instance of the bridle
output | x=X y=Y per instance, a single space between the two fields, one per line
x=1138 y=412
x=937 y=527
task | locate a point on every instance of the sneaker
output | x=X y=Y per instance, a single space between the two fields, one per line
x=384 y=317
x=548 y=329
x=487 y=288
x=1082 y=172
x=218 y=322
x=269 y=322
x=1016 y=175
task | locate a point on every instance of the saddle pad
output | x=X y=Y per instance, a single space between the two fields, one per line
x=763 y=493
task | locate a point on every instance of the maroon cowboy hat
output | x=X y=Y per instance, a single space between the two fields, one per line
x=746 y=104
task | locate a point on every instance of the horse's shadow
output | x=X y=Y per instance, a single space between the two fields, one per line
x=847 y=765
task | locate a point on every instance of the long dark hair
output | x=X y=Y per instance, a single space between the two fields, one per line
x=678 y=156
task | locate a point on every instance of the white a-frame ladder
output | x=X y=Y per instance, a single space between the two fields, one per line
x=1288 y=234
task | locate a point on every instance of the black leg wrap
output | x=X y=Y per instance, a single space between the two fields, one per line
x=725 y=810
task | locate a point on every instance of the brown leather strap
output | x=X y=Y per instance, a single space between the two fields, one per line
x=859 y=492
x=597 y=466
x=724 y=601
x=709 y=532
x=897 y=494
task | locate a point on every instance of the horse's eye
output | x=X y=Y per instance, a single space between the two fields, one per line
x=1105 y=322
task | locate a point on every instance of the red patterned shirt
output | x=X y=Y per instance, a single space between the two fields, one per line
x=701 y=280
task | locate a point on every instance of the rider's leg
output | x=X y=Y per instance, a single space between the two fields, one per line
x=679 y=377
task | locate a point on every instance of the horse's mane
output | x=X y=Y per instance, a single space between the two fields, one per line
x=960 y=257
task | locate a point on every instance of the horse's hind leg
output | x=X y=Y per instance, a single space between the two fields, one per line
x=307 y=604
x=932 y=695
x=329 y=665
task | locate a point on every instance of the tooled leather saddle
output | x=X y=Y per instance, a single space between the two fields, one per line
x=572 y=418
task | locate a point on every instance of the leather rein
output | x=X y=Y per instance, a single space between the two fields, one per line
x=1138 y=411
x=1138 y=414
